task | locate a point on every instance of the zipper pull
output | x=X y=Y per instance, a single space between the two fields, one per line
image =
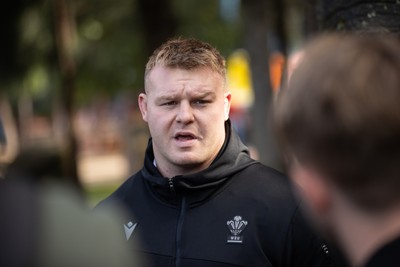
x=171 y=184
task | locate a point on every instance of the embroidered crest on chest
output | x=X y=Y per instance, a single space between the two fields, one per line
x=236 y=226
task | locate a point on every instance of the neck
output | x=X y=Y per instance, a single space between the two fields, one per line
x=362 y=234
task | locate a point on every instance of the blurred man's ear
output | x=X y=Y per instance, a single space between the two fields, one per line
x=313 y=189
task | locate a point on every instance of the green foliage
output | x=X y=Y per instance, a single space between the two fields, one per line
x=201 y=19
x=96 y=193
x=109 y=44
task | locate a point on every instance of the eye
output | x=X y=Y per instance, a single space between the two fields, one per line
x=170 y=103
x=201 y=102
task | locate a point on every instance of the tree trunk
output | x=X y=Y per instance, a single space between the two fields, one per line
x=256 y=43
x=280 y=25
x=65 y=30
x=159 y=22
x=311 y=18
x=366 y=15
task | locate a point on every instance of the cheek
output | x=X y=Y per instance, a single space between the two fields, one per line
x=159 y=123
x=302 y=190
x=158 y=116
x=297 y=179
x=217 y=116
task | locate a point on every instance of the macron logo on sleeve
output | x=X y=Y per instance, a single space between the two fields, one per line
x=129 y=228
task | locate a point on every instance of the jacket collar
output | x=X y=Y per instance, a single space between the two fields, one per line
x=232 y=158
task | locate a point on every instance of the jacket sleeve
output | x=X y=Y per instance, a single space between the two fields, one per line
x=303 y=247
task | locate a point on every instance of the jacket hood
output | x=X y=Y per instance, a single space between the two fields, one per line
x=232 y=158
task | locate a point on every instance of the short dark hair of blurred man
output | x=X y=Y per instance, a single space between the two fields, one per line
x=339 y=122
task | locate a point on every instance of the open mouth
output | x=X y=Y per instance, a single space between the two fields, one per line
x=185 y=137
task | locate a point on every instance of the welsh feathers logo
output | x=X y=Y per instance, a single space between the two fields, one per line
x=236 y=226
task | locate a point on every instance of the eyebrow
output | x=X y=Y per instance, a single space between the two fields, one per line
x=173 y=96
x=166 y=97
x=204 y=94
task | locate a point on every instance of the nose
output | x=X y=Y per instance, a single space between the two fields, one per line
x=185 y=113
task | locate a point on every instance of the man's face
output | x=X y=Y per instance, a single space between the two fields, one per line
x=185 y=111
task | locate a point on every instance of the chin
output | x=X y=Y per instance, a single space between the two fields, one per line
x=188 y=161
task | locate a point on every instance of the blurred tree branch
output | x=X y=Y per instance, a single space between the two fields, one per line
x=159 y=22
x=65 y=41
x=259 y=19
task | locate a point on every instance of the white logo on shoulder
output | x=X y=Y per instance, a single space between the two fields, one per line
x=236 y=226
x=129 y=228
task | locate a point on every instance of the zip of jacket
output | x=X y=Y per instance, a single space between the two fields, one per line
x=179 y=227
x=179 y=232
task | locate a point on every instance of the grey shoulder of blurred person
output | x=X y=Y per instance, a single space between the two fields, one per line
x=48 y=225
x=73 y=235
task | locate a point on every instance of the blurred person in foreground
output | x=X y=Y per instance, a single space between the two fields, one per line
x=339 y=122
x=200 y=200
x=45 y=223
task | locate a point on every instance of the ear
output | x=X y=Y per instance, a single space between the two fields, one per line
x=142 y=100
x=227 y=104
x=313 y=188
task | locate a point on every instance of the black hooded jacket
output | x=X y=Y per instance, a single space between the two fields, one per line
x=237 y=212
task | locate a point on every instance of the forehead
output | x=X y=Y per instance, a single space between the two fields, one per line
x=166 y=79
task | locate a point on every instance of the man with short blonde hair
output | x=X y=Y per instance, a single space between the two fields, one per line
x=187 y=54
x=200 y=200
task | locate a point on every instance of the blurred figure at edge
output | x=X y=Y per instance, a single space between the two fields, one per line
x=339 y=123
